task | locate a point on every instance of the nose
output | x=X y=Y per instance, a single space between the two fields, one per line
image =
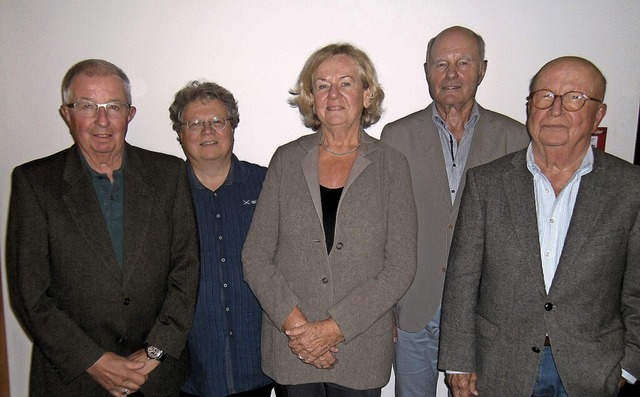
x=556 y=106
x=207 y=127
x=103 y=118
x=451 y=71
x=333 y=91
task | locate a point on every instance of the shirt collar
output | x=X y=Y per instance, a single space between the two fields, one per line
x=235 y=174
x=473 y=117
x=585 y=167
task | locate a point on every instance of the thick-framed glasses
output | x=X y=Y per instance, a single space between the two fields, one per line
x=571 y=101
x=216 y=123
x=90 y=109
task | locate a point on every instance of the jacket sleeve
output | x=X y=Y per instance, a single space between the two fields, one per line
x=457 y=351
x=266 y=281
x=171 y=329
x=60 y=339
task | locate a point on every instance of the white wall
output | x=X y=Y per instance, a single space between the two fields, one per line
x=256 y=49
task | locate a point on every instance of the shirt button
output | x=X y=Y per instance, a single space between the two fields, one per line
x=548 y=306
x=225 y=285
x=546 y=254
x=552 y=220
x=217 y=215
x=219 y=237
x=325 y=280
x=222 y=260
x=339 y=246
x=226 y=309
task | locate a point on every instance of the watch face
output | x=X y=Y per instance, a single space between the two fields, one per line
x=154 y=353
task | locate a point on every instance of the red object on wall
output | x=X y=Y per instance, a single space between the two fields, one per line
x=599 y=137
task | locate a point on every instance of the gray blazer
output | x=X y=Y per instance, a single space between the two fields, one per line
x=416 y=136
x=495 y=310
x=371 y=264
x=66 y=285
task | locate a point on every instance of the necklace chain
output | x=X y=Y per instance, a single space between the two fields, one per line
x=325 y=147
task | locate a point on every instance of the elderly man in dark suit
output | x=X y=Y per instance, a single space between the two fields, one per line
x=102 y=256
x=441 y=142
x=542 y=295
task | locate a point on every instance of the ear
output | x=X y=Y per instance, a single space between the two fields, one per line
x=600 y=113
x=66 y=116
x=132 y=113
x=483 y=70
x=367 y=98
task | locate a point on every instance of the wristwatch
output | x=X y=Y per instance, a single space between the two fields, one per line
x=154 y=353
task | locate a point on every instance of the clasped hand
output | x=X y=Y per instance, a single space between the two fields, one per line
x=316 y=343
x=122 y=375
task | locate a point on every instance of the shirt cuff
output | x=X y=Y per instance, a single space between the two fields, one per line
x=462 y=372
x=630 y=378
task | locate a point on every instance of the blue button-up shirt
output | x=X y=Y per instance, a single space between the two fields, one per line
x=455 y=153
x=225 y=338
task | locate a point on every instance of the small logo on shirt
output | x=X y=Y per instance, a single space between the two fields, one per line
x=249 y=202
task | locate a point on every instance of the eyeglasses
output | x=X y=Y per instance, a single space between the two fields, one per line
x=90 y=109
x=216 y=123
x=571 y=101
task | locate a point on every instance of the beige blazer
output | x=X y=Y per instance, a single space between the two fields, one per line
x=370 y=266
x=416 y=136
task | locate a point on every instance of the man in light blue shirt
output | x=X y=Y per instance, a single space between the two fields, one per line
x=542 y=294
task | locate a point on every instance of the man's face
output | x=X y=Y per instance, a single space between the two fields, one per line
x=210 y=144
x=556 y=127
x=101 y=135
x=454 y=69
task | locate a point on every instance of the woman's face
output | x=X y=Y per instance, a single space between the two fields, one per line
x=338 y=95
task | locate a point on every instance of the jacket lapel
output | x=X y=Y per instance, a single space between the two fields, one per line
x=139 y=204
x=82 y=204
x=590 y=202
x=520 y=196
x=432 y=149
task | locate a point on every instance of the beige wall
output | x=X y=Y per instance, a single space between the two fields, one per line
x=256 y=49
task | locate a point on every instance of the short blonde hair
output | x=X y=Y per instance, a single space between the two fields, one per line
x=303 y=92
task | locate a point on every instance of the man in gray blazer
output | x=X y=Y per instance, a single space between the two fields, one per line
x=441 y=142
x=542 y=295
x=102 y=256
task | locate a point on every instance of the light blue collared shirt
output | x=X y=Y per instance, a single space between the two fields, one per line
x=455 y=154
x=554 y=212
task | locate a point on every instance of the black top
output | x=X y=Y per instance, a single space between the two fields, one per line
x=330 y=199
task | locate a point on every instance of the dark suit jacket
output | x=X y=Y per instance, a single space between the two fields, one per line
x=416 y=136
x=66 y=285
x=496 y=311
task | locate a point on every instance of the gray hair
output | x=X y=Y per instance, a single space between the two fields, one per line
x=202 y=91
x=93 y=67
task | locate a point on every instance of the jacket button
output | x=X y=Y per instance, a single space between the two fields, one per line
x=548 y=306
x=325 y=280
x=535 y=349
x=339 y=246
x=121 y=340
x=126 y=301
